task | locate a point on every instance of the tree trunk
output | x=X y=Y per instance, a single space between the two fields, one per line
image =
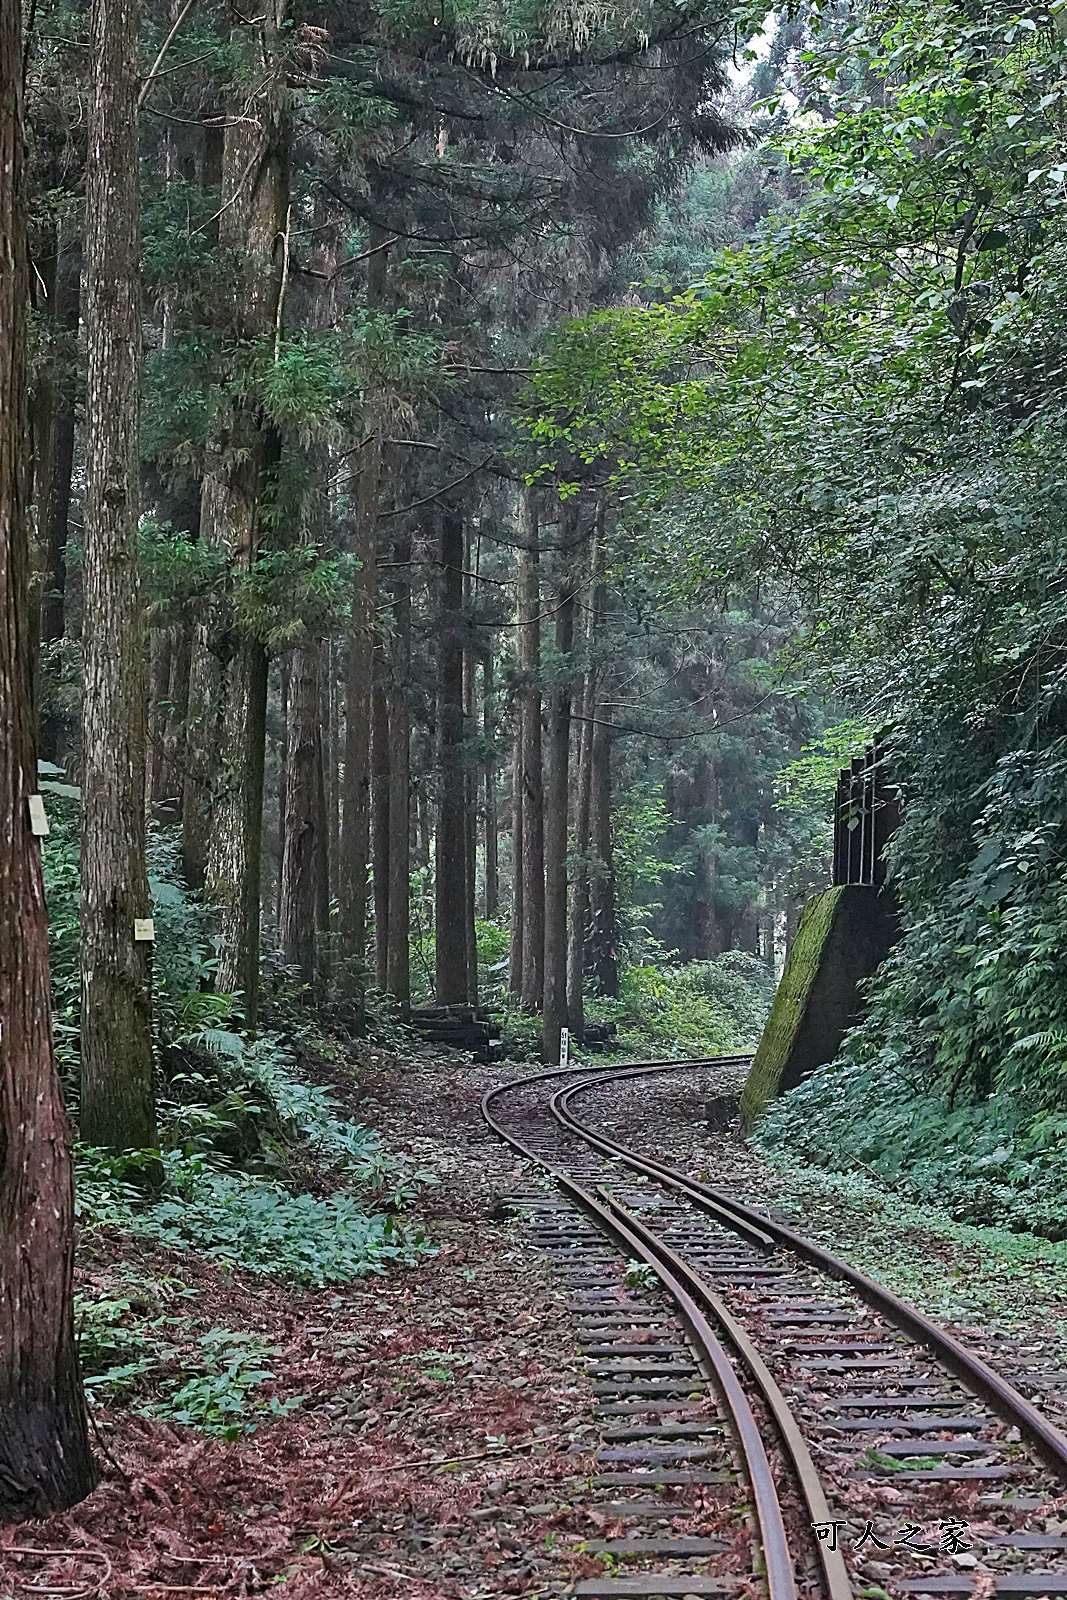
x=162 y=651
x=173 y=763
x=380 y=837
x=282 y=753
x=45 y=1463
x=554 y=1012
x=117 y=1090
x=470 y=800
x=322 y=838
x=515 y=943
x=579 y=908
x=299 y=861
x=221 y=825
x=398 y=978
x=333 y=789
x=533 y=813
x=236 y=853
x=603 y=938
x=450 y=897
x=359 y=673
x=491 y=822
x=53 y=489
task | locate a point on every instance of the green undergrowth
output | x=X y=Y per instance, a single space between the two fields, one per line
x=155 y=1363
x=693 y=1008
x=956 y=1271
x=253 y=1219
x=1001 y=1162
x=256 y=1168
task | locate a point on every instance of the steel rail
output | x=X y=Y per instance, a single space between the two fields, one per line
x=1003 y=1398
x=677 y=1280
x=835 y=1572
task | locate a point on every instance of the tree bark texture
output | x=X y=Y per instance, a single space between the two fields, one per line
x=55 y=464
x=470 y=797
x=398 y=976
x=359 y=672
x=117 y=1091
x=491 y=819
x=380 y=835
x=533 y=810
x=557 y=795
x=603 y=926
x=515 y=942
x=579 y=906
x=450 y=897
x=45 y=1464
x=299 y=861
x=222 y=803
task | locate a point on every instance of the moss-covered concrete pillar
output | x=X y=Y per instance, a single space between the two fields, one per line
x=844 y=936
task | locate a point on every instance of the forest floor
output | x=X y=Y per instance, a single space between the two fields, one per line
x=442 y=1408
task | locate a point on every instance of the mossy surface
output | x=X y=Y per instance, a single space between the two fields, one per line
x=764 y=1082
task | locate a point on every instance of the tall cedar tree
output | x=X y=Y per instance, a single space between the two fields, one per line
x=117 y=1096
x=44 y=1448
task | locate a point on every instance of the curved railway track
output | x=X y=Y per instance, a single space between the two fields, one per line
x=742 y=1371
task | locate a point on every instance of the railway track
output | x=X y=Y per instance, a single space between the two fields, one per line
x=770 y=1419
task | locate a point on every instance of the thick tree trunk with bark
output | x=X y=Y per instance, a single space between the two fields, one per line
x=297 y=915
x=533 y=811
x=557 y=794
x=117 y=1091
x=398 y=978
x=450 y=898
x=45 y=1463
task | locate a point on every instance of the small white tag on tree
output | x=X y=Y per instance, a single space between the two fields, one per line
x=144 y=930
x=38 y=816
x=564 y=1046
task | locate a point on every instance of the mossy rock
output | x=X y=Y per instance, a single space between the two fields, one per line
x=844 y=936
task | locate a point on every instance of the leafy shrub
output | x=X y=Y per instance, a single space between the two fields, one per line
x=242 y=1221
x=182 y=957
x=997 y=1163
x=127 y=1357
x=700 y=1007
x=218 y=1398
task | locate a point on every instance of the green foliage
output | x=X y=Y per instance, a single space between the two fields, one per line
x=183 y=957
x=700 y=1008
x=993 y=1163
x=219 y=1400
x=812 y=777
x=242 y=1221
x=864 y=406
x=146 y=1364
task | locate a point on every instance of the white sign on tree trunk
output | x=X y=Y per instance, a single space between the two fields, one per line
x=564 y=1046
